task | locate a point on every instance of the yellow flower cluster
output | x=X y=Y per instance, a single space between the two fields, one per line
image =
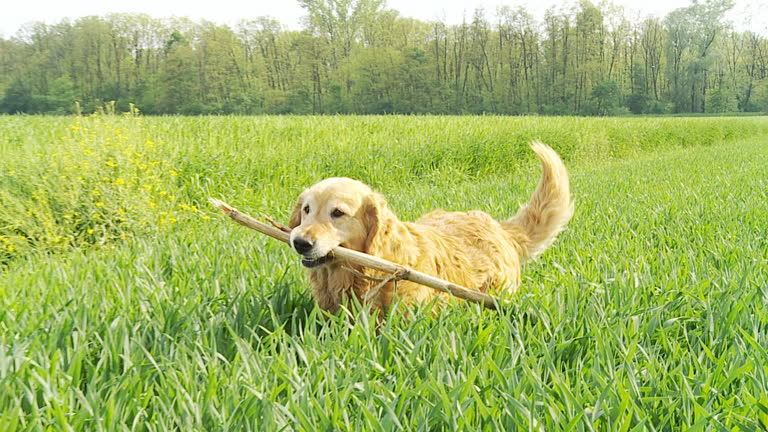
x=102 y=179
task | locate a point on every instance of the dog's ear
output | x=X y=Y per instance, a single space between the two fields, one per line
x=373 y=215
x=296 y=214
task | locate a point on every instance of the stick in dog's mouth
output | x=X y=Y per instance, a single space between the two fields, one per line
x=363 y=259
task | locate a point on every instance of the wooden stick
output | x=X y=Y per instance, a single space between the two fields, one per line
x=401 y=272
x=277 y=224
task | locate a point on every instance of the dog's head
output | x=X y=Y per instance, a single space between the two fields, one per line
x=335 y=212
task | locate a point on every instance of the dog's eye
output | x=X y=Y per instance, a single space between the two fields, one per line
x=306 y=209
x=336 y=213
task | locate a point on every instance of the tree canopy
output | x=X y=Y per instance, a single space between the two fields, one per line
x=358 y=56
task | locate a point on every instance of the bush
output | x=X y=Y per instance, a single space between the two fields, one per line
x=196 y=108
x=721 y=100
x=18 y=99
x=637 y=103
x=606 y=95
x=557 y=109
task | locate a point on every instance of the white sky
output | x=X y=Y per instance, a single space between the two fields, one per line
x=748 y=14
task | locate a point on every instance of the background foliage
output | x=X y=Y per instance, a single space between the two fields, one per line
x=357 y=56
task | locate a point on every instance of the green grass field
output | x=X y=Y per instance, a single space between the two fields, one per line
x=127 y=303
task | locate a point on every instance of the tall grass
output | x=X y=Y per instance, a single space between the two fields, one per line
x=131 y=305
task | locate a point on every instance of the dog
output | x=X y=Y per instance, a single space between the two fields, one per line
x=467 y=248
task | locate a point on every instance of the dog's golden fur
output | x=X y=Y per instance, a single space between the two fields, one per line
x=467 y=248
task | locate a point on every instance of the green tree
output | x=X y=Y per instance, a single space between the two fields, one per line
x=693 y=32
x=18 y=98
x=607 y=96
x=357 y=56
x=61 y=96
x=179 y=77
x=721 y=100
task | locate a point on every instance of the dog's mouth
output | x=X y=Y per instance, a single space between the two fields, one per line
x=315 y=262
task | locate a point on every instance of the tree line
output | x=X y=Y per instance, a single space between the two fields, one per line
x=358 y=56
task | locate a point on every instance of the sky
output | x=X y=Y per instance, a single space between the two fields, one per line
x=747 y=15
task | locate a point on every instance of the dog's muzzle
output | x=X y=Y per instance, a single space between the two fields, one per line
x=304 y=247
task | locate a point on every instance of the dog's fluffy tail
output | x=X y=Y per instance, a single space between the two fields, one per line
x=549 y=209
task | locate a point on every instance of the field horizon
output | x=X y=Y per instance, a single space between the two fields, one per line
x=128 y=302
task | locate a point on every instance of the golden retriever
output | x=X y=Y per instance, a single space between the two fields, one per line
x=467 y=248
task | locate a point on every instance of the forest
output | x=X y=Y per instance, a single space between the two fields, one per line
x=360 y=57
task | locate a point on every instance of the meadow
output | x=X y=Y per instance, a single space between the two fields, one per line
x=127 y=303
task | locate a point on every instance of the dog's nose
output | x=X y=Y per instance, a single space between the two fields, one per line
x=302 y=246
